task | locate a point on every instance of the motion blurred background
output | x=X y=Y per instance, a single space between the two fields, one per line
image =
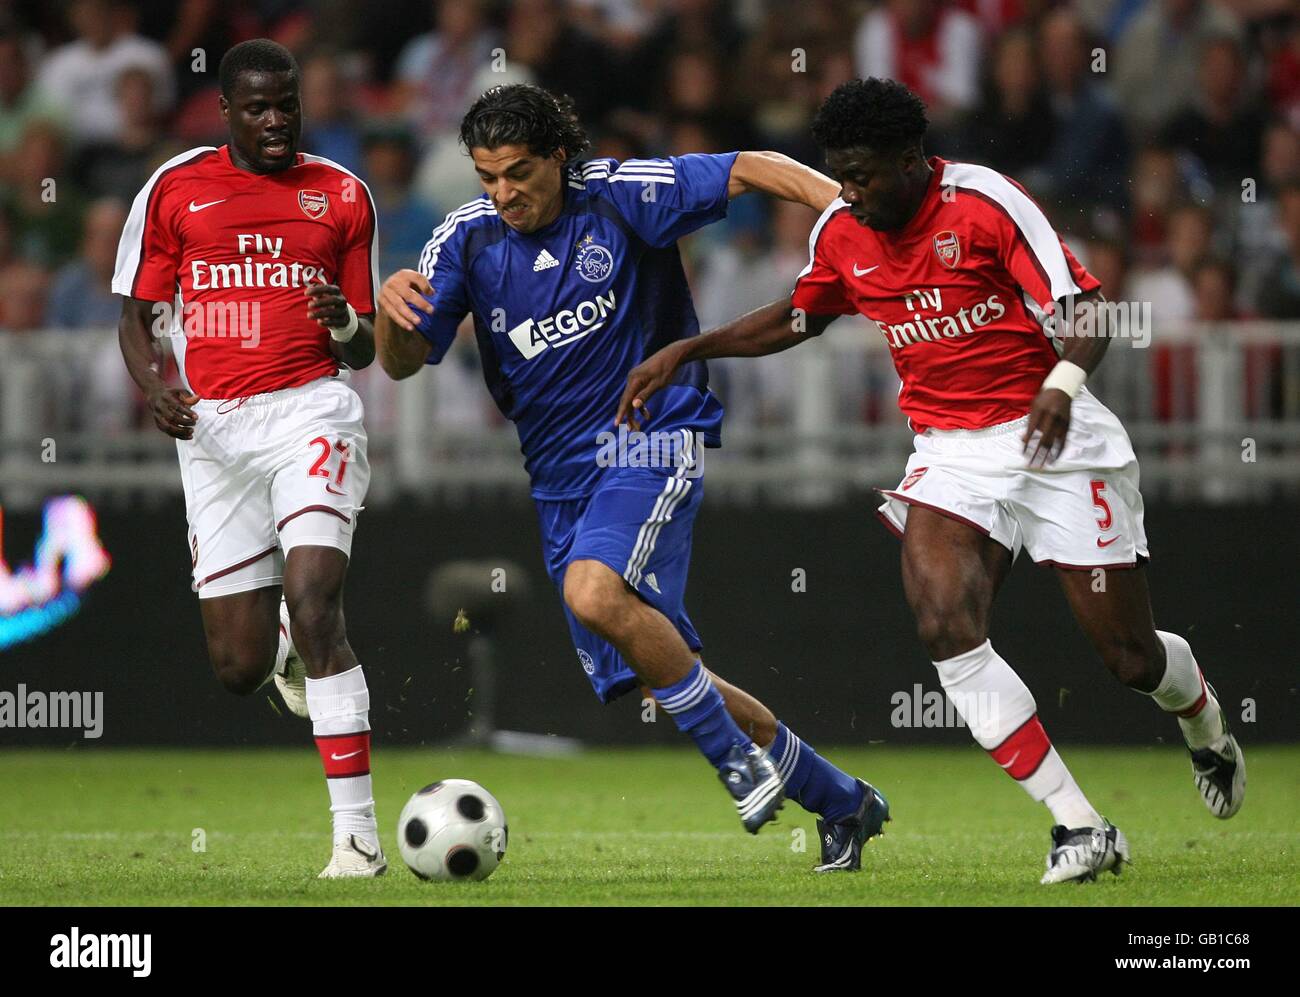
x=1162 y=137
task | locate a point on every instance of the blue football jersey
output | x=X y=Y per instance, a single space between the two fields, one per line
x=562 y=314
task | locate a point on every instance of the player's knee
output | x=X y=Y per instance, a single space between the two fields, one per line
x=593 y=594
x=317 y=617
x=241 y=670
x=1138 y=664
x=947 y=633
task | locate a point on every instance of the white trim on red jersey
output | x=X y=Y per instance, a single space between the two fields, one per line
x=1040 y=236
x=374 y=221
x=831 y=208
x=128 y=248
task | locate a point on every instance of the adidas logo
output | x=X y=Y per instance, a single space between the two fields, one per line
x=544 y=261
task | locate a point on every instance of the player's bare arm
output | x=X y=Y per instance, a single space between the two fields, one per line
x=351 y=345
x=401 y=349
x=771 y=329
x=146 y=361
x=1049 y=415
x=783 y=177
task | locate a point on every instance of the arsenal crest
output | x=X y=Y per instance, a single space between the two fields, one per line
x=314 y=203
x=948 y=249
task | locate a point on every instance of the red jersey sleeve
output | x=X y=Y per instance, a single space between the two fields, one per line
x=1027 y=245
x=149 y=252
x=817 y=289
x=358 y=266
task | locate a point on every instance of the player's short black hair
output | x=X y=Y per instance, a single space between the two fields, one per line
x=257 y=55
x=881 y=115
x=523 y=114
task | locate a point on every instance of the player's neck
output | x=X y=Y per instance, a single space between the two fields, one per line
x=917 y=194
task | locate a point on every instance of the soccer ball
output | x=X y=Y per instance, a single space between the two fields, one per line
x=454 y=829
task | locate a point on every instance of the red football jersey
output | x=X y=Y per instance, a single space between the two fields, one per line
x=233 y=252
x=959 y=293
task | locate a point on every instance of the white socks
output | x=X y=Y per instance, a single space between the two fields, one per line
x=1001 y=714
x=1183 y=691
x=340 y=715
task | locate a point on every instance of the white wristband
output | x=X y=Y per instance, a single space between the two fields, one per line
x=1067 y=377
x=348 y=331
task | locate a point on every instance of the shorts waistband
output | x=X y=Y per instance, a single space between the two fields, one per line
x=1001 y=429
x=226 y=405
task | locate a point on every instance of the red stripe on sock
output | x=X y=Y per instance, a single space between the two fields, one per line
x=345 y=754
x=1201 y=700
x=1022 y=752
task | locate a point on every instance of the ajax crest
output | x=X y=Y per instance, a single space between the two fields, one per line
x=593 y=263
x=948 y=249
x=314 y=203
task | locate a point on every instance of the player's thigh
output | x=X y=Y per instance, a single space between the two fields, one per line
x=951 y=574
x=1113 y=608
x=322 y=471
x=242 y=631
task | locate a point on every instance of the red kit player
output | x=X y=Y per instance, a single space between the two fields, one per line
x=259 y=263
x=983 y=307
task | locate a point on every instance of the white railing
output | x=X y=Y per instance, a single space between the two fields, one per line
x=1213 y=411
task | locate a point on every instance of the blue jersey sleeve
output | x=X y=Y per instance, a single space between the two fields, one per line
x=441 y=263
x=666 y=199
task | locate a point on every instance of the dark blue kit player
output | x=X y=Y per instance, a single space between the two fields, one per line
x=571 y=272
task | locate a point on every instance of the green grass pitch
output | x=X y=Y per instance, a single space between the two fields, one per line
x=626 y=827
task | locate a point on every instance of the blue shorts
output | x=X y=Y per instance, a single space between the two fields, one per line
x=638 y=522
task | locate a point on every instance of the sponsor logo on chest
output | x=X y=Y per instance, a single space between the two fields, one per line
x=532 y=336
x=927 y=321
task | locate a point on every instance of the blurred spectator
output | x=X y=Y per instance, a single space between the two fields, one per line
x=80 y=297
x=1012 y=129
x=1259 y=235
x=329 y=126
x=81 y=75
x=1284 y=76
x=405 y=223
x=1107 y=260
x=437 y=72
x=1089 y=150
x=22 y=296
x=44 y=202
x=933 y=47
x=1222 y=127
x=1279 y=291
x=21 y=101
x=1155 y=66
x=562 y=58
x=1169 y=287
x=681 y=25
x=1157 y=185
x=119 y=168
x=1214 y=284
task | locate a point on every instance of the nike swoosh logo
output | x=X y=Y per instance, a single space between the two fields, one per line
x=1012 y=762
x=330 y=488
x=863 y=273
x=351 y=754
x=1106 y=543
x=200 y=207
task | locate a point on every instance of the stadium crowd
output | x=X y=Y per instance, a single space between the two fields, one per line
x=1162 y=135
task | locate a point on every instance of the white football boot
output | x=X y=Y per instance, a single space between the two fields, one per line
x=291 y=677
x=1079 y=853
x=354 y=858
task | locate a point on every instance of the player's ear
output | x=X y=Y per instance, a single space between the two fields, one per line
x=225 y=107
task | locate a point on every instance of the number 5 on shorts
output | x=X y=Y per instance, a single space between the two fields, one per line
x=1105 y=519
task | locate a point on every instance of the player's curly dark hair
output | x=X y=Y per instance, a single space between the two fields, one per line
x=257 y=55
x=523 y=114
x=882 y=115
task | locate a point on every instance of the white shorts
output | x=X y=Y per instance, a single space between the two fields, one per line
x=266 y=474
x=1083 y=510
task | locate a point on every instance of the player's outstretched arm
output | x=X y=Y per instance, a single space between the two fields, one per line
x=146 y=362
x=401 y=349
x=770 y=329
x=1049 y=415
x=782 y=177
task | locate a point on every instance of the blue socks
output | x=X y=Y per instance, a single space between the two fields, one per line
x=810 y=780
x=698 y=710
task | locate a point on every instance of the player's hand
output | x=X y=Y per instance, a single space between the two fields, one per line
x=1049 y=417
x=172 y=413
x=327 y=306
x=644 y=380
x=402 y=298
